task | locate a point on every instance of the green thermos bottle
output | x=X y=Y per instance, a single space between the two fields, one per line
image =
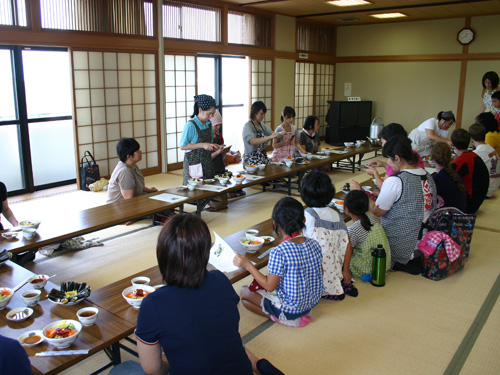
x=378 y=270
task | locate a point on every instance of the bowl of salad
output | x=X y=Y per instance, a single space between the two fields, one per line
x=5 y=297
x=62 y=333
x=252 y=244
x=29 y=224
x=135 y=294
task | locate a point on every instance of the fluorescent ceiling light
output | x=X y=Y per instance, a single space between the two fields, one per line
x=348 y=3
x=388 y=15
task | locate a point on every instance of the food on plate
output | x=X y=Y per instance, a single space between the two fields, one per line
x=30 y=340
x=137 y=294
x=70 y=292
x=5 y=293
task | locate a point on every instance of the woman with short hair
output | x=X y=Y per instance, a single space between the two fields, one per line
x=406 y=200
x=127 y=181
x=256 y=136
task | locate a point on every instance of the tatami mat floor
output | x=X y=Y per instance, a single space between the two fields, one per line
x=410 y=326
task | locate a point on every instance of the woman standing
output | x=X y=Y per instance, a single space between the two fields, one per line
x=197 y=140
x=432 y=130
x=256 y=135
x=406 y=200
x=490 y=84
x=285 y=144
x=309 y=135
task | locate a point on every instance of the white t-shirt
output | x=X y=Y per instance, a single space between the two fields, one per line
x=491 y=159
x=433 y=124
x=392 y=189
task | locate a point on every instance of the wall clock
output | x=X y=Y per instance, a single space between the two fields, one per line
x=465 y=36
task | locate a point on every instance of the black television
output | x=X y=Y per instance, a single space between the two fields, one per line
x=348 y=121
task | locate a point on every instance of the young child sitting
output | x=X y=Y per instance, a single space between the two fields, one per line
x=325 y=225
x=488 y=154
x=294 y=284
x=471 y=168
x=365 y=233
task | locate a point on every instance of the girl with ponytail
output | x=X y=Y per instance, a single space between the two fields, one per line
x=365 y=233
x=450 y=187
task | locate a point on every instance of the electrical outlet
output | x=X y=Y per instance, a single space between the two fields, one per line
x=347 y=89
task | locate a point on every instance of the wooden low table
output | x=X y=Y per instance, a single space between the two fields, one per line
x=60 y=226
x=107 y=332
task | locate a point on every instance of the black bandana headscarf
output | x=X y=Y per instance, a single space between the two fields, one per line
x=204 y=102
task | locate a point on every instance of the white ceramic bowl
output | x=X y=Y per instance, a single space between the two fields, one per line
x=252 y=248
x=88 y=315
x=194 y=182
x=191 y=187
x=238 y=180
x=348 y=144
x=28 y=334
x=288 y=163
x=136 y=302
x=5 y=301
x=29 y=224
x=29 y=233
x=251 y=233
x=251 y=168
x=262 y=166
x=65 y=341
x=35 y=297
x=141 y=281
x=38 y=284
x=223 y=180
x=327 y=151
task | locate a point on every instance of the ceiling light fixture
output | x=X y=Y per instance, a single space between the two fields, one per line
x=388 y=15
x=348 y=3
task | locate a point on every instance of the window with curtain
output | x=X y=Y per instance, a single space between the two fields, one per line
x=190 y=21
x=244 y=28
x=315 y=38
x=13 y=12
x=131 y=17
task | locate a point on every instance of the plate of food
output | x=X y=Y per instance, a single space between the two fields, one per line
x=278 y=163
x=268 y=239
x=209 y=181
x=301 y=161
x=182 y=187
x=70 y=293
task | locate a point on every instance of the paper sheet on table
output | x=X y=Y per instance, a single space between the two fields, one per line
x=338 y=152
x=212 y=187
x=221 y=255
x=320 y=157
x=252 y=177
x=169 y=198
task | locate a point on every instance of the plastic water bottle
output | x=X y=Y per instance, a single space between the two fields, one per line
x=378 y=270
